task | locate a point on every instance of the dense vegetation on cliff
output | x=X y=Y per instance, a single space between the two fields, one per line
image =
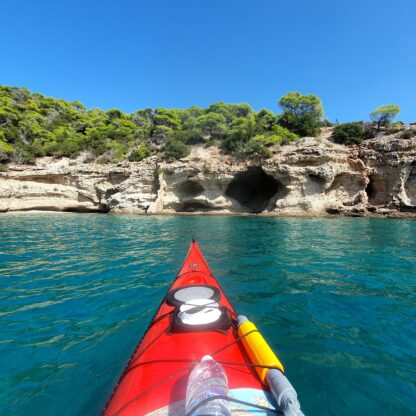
x=32 y=125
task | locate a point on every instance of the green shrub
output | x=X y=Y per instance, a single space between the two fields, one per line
x=394 y=128
x=116 y=152
x=6 y=147
x=369 y=132
x=231 y=144
x=6 y=150
x=211 y=125
x=286 y=135
x=104 y=159
x=69 y=148
x=265 y=120
x=207 y=169
x=305 y=125
x=192 y=136
x=89 y=159
x=167 y=117
x=21 y=156
x=37 y=149
x=160 y=135
x=278 y=135
x=139 y=154
x=267 y=139
x=348 y=133
x=174 y=149
x=4 y=157
x=35 y=125
x=408 y=134
x=254 y=147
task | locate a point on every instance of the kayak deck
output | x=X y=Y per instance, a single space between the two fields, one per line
x=155 y=379
x=255 y=396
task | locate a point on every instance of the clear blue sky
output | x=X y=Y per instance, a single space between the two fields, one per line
x=354 y=54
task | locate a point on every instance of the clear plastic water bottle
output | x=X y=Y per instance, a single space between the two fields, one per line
x=207 y=379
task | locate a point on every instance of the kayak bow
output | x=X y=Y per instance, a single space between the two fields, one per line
x=196 y=319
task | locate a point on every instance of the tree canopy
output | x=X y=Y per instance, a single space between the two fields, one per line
x=32 y=125
x=384 y=115
x=302 y=114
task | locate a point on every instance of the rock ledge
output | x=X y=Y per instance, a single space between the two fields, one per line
x=313 y=177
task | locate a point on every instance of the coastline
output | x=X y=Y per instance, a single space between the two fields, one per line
x=390 y=215
x=311 y=178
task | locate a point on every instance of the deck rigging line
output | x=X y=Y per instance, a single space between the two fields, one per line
x=188 y=367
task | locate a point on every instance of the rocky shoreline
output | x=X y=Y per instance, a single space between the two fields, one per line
x=312 y=177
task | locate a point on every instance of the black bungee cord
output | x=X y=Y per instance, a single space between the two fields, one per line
x=140 y=395
x=231 y=400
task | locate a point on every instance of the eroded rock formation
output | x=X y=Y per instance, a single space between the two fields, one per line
x=62 y=185
x=310 y=177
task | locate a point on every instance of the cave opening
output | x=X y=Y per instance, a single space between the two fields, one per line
x=190 y=189
x=99 y=209
x=370 y=191
x=410 y=185
x=253 y=189
x=377 y=190
x=194 y=206
x=314 y=184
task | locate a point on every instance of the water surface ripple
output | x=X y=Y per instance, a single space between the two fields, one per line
x=336 y=298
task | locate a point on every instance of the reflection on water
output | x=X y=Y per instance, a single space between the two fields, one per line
x=335 y=298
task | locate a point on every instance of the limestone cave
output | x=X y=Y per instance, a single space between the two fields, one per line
x=190 y=189
x=378 y=190
x=253 y=189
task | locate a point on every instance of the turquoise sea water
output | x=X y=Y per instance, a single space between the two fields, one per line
x=336 y=298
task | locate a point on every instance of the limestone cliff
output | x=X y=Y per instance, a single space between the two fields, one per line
x=311 y=177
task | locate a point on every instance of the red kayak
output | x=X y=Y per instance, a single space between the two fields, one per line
x=195 y=319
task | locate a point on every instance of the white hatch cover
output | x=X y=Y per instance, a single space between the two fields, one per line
x=199 y=312
x=188 y=293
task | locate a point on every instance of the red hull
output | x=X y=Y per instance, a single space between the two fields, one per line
x=151 y=381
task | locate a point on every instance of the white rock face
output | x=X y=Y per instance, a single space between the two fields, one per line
x=62 y=185
x=311 y=177
x=391 y=169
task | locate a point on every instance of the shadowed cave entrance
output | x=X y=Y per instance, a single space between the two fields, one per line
x=377 y=190
x=188 y=190
x=253 y=189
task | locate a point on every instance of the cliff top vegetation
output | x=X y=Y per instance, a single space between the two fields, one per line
x=32 y=125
